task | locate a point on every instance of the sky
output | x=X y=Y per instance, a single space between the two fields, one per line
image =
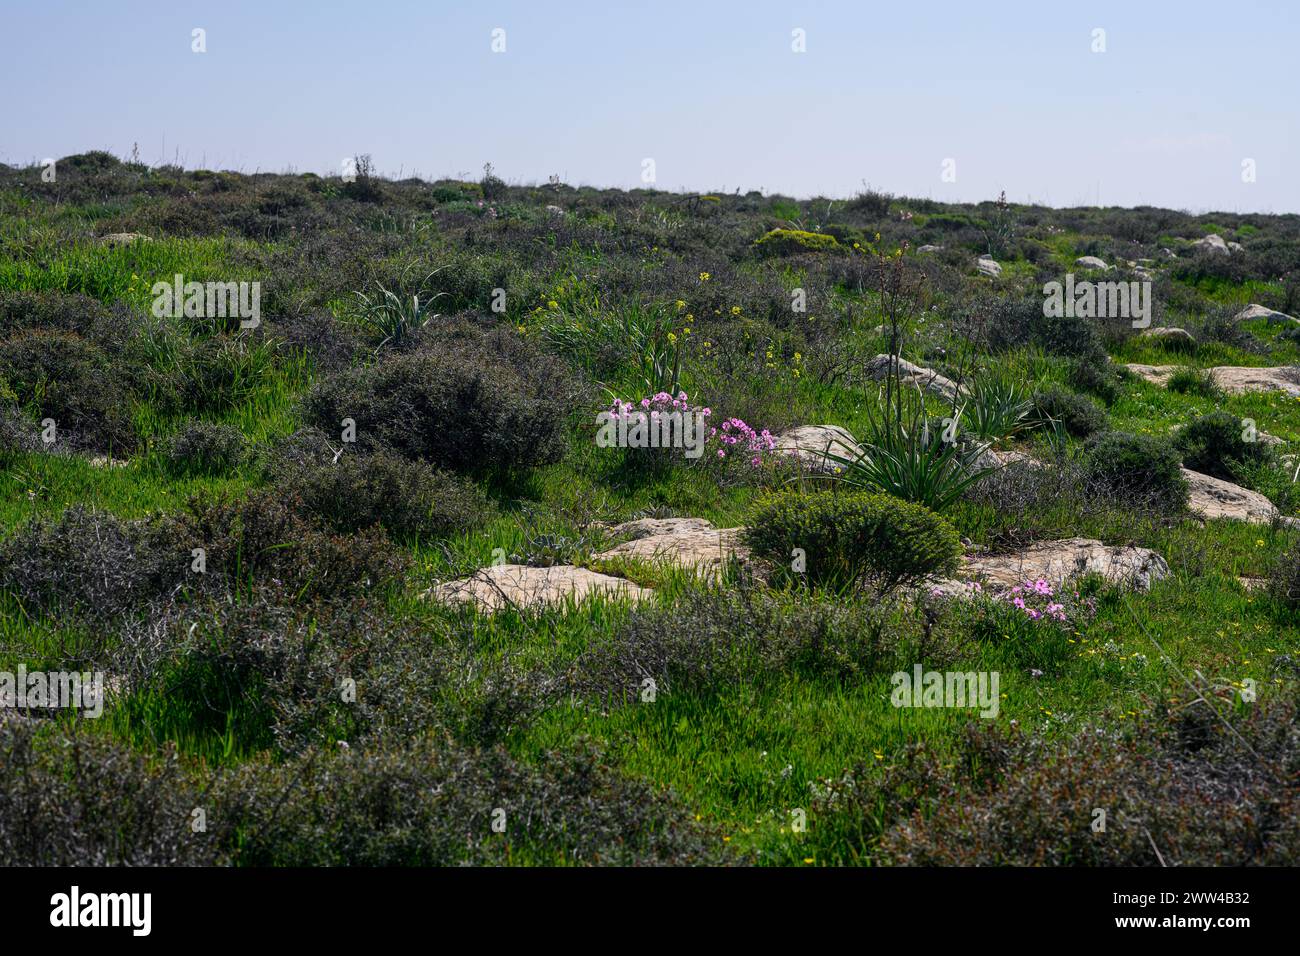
x=1188 y=105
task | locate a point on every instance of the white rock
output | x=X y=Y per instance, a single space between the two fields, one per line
x=929 y=248
x=1254 y=311
x=1059 y=562
x=988 y=267
x=1169 y=335
x=1212 y=243
x=690 y=543
x=1091 y=262
x=1212 y=497
x=810 y=443
x=522 y=586
x=878 y=368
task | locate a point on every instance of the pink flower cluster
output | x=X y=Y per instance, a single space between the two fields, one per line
x=1039 y=601
x=733 y=435
x=735 y=432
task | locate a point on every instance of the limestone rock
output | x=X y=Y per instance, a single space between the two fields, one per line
x=1170 y=336
x=523 y=586
x=913 y=375
x=988 y=267
x=690 y=543
x=1058 y=562
x=929 y=248
x=1214 y=498
x=1091 y=262
x=809 y=443
x=1254 y=311
x=1213 y=244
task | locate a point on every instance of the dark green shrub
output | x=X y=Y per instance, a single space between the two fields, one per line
x=472 y=405
x=62 y=376
x=205 y=448
x=712 y=640
x=1097 y=376
x=1219 y=444
x=1079 y=415
x=848 y=539
x=1138 y=467
x=406 y=497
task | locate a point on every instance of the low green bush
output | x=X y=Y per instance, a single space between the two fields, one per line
x=1137 y=467
x=842 y=540
x=787 y=242
x=205 y=448
x=1219 y=444
x=1079 y=415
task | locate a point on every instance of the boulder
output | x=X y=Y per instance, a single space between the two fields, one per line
x=1058 y=562
x=809 y=443
x=1254 y=311
x=1233 y=379
x=929 y=248
x=1213 y=244
x=878 y=368
x=1236 y=247
x=1214 y=498
x=688 y=543
x=523 y=586
x=988 y=267
x=1091 y=262
x=1167 y=335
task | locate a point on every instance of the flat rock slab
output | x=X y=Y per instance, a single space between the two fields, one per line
x=1170 y=335
x=691 y=543
x=810 y=443
x=522 y=586
x=1234 y=379
x=910 y=374
x=1058 y=562
x=1215 y=498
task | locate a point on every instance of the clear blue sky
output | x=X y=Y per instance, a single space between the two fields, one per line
x=710 y=90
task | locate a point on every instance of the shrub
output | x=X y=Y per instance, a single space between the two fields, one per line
x=224 y=372
x=205 y=448
x=1013 y=800
x=786 y=242
x=1079 y=415
x=1216 y=444
x=1284 y=578
x=996 y=408
x=94 y=564
x=854 y=538
x=1097 y=376
x=711 y=640
x=474 y=405
x=404 y=496
x=1192 y=381
x=1137 y=466
x=62 y=376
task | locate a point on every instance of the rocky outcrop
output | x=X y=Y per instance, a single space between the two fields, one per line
x=1212 y=497
x=1170 y=336
x=926 y=379
x=1255 y=311
x=986 y=266
x=1232 y=378
x=810 y=443
x=1212 y=244
x=688 y=543
x=1058 y=562
x=524 y=587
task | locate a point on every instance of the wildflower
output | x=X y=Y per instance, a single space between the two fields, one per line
x=735 y=310
x=705 y=277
